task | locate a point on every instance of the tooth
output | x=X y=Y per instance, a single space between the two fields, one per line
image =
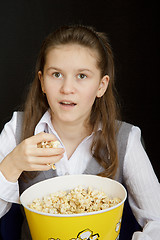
x=66 y=102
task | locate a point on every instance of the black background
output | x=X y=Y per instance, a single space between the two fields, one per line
x=132 y=27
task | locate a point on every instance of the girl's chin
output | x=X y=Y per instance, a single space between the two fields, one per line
x=69 y=118
x=64 y=119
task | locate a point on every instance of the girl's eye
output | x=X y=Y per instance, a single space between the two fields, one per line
x=57 y=75
x=82 y=76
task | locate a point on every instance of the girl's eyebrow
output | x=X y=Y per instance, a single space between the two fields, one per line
x=78 y=70
x=84 y=70
x=54 y=68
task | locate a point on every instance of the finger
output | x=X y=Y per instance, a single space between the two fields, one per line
x=42 y=164
x=46 y=152
x=47 y=160
x=42 y=137
x=40 y=167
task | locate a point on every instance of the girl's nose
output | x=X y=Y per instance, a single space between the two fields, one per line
x=67 y=86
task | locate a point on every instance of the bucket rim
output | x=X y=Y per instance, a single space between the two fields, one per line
x=75 y=214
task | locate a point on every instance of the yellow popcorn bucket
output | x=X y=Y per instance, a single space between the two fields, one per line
x=102 y=225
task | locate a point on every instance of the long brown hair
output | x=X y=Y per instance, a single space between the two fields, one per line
x=104 y=109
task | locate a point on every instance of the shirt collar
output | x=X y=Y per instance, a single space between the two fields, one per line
x=45 y=124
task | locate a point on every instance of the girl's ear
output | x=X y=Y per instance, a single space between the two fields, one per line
x=40 y=76
x=103 y=86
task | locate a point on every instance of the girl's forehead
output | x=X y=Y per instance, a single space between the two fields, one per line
x=72 y=50
x=73 y=47
x=75 y=53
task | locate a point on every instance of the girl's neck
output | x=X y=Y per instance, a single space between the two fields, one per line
x=71 y=131
x=71 y=134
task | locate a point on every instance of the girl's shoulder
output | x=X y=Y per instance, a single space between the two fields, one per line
x=13 y=127
x=123 y=129
x=12 y=123
x=10 y=135
x=16 y=120
x=126 y=131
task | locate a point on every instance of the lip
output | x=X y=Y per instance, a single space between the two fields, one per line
x=67 y=101
x=67 y=104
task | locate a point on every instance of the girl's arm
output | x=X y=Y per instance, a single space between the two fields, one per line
x=9 y=191
x=143 y=188
x=23 y=157
x=28 y=157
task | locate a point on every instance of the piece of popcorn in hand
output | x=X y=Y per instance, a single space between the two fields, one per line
x=55 y=144
x=52 y=165
x=49 y=144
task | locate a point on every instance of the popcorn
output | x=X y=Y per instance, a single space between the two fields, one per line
x=49 y=144
x=77 y=200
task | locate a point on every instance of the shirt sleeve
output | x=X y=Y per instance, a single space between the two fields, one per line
x=9 y=191
x=143 y=188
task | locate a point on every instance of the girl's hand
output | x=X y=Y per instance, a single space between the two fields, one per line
x=28 y=157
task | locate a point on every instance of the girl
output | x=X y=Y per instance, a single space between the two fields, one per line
x=72 y=99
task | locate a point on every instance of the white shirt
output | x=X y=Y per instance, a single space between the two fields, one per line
x=141 y=182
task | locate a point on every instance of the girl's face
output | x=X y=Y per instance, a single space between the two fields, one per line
x=71 y=81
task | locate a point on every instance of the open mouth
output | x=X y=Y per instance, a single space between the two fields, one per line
x=69 y=104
